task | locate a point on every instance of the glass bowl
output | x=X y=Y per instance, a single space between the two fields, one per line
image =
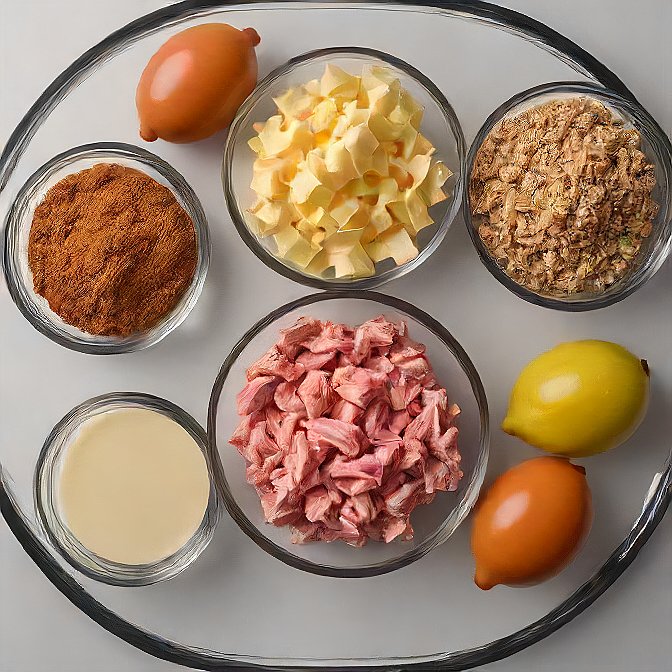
x=654 y=144
x=47 y=473
x=17 y=230
x=433 y=523
x=440 y=125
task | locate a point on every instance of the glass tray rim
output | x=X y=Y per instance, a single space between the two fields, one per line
x=660 y=492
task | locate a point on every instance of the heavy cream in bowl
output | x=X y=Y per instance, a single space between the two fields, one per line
x=125 y=491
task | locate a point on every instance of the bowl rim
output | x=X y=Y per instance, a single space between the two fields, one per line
x=22 y=295
x=459 y=512
x=442 y=226
x=648 y=128
x=100 y=568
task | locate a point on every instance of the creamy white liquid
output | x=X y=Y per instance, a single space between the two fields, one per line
x=133 y=486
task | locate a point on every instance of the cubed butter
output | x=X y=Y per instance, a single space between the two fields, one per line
x=344 y=178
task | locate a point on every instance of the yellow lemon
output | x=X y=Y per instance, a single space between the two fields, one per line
x=580 y=398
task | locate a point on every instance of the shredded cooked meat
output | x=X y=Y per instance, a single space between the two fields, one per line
x=563 y=196
x=345 y=431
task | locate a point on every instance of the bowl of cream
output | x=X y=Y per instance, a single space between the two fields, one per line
x=124 y=491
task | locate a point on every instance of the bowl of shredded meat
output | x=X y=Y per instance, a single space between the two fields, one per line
x=349 y=432
x=568 y=201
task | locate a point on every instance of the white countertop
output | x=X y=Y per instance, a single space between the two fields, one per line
x=627 y=630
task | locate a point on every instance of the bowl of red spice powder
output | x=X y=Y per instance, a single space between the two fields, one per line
x=106 y=249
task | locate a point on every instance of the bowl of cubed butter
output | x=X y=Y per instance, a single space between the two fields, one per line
x=344 y=168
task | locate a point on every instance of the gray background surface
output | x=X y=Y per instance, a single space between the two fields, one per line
x=626 y=630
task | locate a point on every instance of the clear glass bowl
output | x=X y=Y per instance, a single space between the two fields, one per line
x=17 y=231
x=440 y=125
x=47 y=472
x=433 y=523
x=655 y=248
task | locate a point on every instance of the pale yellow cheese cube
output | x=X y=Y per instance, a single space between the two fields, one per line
x=337 y=82
x=274 y=215
x=384 y=129
x=296 y=103
x=294 y=247
x=324 y=116
x=356 y=263
x=401 y=247
x=431 y=188
x=417 y=211
x=361 y=144
x=418 y=167
x=267 y=178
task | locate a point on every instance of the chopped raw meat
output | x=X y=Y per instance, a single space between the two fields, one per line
x=402 y=501
x=445 y=446
x=345 y=431
x=333 y=337
x=416 y=368
x=298 y=335
x=395 y=528
x=301 y=459
x=348 y=438
x=277 y=510
x=379 y=363
x=318 y=503
x=424 y=425
x=405 y=348
x=241 y=435
x=261 y=442
x=275 y=363
x=256 y=394
x=346 y=411
x=326 y=361
x=386 y=452
x=366 y=467
x=284 y=439
x=359 y=386
x=399 y=421
x=372 y=334
x=414 y=455
x=360 y=509
x=287 y=399
x=274 y=417
x=437 y=475
x=402 y=396
x=376 y=417
x=316 y=392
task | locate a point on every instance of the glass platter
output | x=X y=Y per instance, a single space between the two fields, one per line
x=237 y=607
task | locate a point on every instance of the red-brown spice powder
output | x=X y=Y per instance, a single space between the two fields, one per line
x=111 y=250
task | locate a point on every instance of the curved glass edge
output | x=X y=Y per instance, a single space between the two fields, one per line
x=655 y=506
x=460 y=512
x=501 y=18
x=441 y=226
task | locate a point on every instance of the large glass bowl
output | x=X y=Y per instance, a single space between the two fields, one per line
x=17 y=231
x=433 y=523
x=655 y=248
x=440 y=125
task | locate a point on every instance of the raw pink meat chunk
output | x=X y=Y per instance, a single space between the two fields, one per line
x=345 y=431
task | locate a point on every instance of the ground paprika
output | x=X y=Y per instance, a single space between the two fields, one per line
x=111 y=250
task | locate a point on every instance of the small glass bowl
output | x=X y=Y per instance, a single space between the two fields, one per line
x=17 y=231
x=658 y=150
x=433 y=523
x=440 y=125
x=47 y=474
